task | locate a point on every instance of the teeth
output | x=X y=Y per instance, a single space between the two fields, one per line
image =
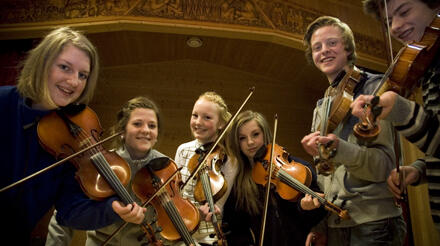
x=327 y=59
x=65 y=90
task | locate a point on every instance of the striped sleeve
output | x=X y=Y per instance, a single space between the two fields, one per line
x=418 y=125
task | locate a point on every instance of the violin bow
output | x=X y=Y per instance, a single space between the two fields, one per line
x=59 y=162
x=200 y=164
x=144 y=204
x=266 y=197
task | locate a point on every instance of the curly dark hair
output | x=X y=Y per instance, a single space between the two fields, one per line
x=373 y=7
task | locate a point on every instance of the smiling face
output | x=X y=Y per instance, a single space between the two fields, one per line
x=205 y=121
x=141 y=132
x=409 y=18
x=251 y=138
x=328 y=51
x=67 y=77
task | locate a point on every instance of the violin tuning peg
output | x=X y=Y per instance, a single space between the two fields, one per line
x=141 y=236
x=329 y=143
x=377 y=110
x=375 y=101
x=332 y=153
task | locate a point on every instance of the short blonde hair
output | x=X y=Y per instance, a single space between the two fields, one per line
x=224 y=114
x=347 y=36
x=32 y=81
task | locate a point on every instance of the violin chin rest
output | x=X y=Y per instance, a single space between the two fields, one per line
x=159 y=163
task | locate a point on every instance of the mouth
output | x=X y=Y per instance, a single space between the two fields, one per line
x=405 y=35
x=198 y=130
x=252 y=150
x=327 y=59
x=66 y=91
x=144 y=139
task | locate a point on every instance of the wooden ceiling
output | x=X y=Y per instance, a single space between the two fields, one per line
x=143 y=51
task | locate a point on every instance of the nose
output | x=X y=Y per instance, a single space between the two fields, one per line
x=325 y=49
x=250 y=141
x=198 y=120
x=73 y=79
x=145 y=128
x=396 y=26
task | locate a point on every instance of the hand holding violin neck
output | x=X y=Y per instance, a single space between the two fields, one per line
x=368 y=129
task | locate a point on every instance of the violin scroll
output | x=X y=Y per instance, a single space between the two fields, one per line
x=368 y=129
x=323 y=160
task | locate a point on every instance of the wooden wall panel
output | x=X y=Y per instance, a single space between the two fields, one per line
x=175 y=86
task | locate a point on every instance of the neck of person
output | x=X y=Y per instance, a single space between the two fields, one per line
x=337 y=76
x=135 y=156
x=41 y=105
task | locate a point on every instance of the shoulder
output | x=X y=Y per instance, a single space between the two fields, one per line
x=187 y=145
x=8 y=93
x=371 y=81
x=155 y=154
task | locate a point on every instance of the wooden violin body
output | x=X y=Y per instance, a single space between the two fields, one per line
x=291 y=179
x=211 y=184
x=342 y=97
x=282 y=173
x=99 y=172
x=62 y=134
x=413 y=61
x=177 y=217
x=212 y=168
x=403 y=76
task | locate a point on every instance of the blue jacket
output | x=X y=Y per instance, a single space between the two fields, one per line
x=21 y=155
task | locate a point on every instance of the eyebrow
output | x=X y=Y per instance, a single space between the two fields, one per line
x=398 y=9
x=70 y=64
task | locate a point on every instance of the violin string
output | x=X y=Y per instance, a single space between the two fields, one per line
x=294 y=183
x=175 y=216
x=104 y=167
x=113 y=180
x=208 y=193
x=177 y=219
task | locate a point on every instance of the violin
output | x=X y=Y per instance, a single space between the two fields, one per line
x=212 y=167
x=100 y=173
x=404 y=74
x=290 y=178
x=210 y=185
x=178 y=218
x=201 y=165
x=334 y=109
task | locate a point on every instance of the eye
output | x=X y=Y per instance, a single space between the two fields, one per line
x=64 y=67
x=241 y=138
x=194 y=116
x=405 y=12
x=316 y=48
x=208 y=117
x=332 y=42
x=137 y=124
x=83 y=76
x=152 y=126
x=256 y=134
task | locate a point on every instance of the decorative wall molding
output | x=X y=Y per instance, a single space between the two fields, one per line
x=285 y=17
